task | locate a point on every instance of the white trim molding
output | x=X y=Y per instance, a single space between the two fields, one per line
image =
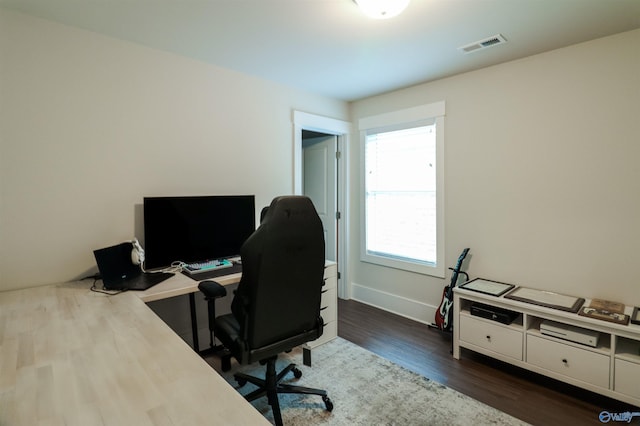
x=408 y=308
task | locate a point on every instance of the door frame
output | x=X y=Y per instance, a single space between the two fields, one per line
x=341 y=129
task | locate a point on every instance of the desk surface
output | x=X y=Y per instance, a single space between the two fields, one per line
x=74 y=357
x=180 y=284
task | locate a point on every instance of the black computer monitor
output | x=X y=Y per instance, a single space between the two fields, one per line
x=197 y=228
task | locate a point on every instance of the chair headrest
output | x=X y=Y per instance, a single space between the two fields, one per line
x=290 y=208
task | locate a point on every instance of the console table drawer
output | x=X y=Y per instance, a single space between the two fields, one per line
x=627 y=375
x=494 y=337
x=329 y=332
x=328 y=308
x=570 y=361
x=330 y=275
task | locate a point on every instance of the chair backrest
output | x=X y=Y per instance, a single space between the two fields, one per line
x=282 y=272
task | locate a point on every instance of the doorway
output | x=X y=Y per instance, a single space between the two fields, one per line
x=320 y=173
x=319 y=183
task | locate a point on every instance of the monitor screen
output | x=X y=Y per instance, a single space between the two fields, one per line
x=195 y=229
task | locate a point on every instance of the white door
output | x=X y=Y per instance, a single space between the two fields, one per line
x=319 y=184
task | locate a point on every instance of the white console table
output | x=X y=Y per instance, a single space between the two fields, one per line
x=612 y=368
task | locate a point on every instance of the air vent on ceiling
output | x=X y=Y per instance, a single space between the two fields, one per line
x=483 y=44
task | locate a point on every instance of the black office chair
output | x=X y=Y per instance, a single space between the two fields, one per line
x=277 y=304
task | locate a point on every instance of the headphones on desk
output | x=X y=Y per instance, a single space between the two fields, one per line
x=137 y=253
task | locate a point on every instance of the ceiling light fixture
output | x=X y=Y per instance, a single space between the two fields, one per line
x=382 y=9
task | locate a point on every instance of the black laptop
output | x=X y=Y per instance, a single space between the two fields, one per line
x=119 y=273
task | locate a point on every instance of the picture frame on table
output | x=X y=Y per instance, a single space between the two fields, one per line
x=547 y=299
x=493 y=288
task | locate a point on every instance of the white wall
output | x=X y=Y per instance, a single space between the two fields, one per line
x=89 y=125
x=541 y=166
x=542 y=176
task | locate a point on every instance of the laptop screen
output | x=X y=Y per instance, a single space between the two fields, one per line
x=115 y=265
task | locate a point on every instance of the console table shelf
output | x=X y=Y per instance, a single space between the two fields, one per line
x=611 y=368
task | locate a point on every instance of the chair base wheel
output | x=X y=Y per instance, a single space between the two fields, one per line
x=296 y=372
x=327 y=403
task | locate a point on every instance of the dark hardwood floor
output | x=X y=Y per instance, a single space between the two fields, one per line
x=427 y=351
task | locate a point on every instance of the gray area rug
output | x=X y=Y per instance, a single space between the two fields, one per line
x=367 y=390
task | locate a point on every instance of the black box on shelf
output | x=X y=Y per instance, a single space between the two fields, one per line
x=494 y=313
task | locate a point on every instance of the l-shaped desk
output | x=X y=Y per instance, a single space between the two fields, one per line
x=70 y=356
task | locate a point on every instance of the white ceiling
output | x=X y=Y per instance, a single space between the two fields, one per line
x=328 y=47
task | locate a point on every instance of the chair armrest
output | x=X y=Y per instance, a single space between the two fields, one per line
x=212 y=289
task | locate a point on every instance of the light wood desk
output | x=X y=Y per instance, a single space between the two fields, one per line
x=69 y=356
x=179 y=285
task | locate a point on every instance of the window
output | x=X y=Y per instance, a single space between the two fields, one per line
x=402 y=203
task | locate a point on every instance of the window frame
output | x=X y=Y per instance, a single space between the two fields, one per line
x=402 y=119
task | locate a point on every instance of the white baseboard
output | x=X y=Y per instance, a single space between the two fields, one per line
x=408 y=308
